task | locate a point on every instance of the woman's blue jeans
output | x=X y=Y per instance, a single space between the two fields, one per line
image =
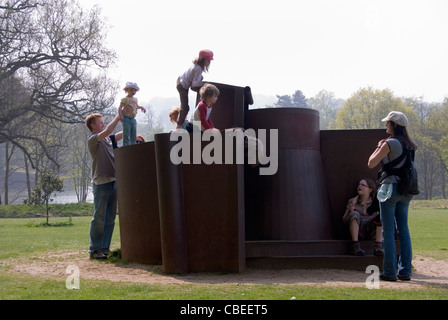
x=129 y=130
x=103 y=222
x=395 y=210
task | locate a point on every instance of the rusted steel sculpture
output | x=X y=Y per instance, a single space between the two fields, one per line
x=292 y=204
x=214 y=217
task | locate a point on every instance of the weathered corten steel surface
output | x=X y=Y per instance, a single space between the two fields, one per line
x=138 y=204
x=201 y=213
x=214 y=214
x=292 y=204
x=199 y=217
x=345 y=154
x=199 y=208
x=171 y=208
x=228 y=111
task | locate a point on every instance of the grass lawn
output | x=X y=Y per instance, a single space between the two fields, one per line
x=25 y=239
x=429 y=232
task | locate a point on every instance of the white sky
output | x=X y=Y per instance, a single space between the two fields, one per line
x=280 y=46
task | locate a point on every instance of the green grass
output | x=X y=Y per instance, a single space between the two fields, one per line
x=429 y=232
x=61 y=210
x=19 y=239
x=25 y=239
x=429 y=204
x=28 y=288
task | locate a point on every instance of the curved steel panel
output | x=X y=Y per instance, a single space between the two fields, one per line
x=171 y=208
x=138 y=207
x=292 y=204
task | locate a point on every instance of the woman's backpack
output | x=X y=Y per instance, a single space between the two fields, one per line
x=408 y=182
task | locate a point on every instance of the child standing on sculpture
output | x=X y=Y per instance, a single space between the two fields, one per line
x=191 y=79
x=209 y=95
x=127 y=111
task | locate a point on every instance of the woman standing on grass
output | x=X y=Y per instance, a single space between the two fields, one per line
x=394 y=207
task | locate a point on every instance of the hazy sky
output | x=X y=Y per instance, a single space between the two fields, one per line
x=280 y=46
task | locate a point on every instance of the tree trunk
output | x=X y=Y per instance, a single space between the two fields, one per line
x=27 y=171
x=48 y=209
x=6 y=172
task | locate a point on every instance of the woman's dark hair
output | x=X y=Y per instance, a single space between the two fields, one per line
x=402 y=133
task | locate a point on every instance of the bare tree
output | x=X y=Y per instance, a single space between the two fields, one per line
x=80 y=161
x=53 y=50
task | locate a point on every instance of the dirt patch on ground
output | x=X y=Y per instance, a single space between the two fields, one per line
x=427 y=272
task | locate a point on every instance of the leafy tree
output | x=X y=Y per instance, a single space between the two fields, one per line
x=42 y=192
x=367 y=107
x=297 y=100
x=428 y=165
x=327 y=105
x=435 y=130
x=284 y=101
x=444 y=138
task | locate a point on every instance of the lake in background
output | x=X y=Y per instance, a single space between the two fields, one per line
x=58 y=197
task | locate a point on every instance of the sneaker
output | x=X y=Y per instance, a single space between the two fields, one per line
x=378 y=249
x=97 y=256
x=385 y=278
x=404 y=277
x=356 y=250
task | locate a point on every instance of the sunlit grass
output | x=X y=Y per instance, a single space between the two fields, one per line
x=24 y=239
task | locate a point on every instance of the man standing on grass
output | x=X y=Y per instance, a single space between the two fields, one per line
x=101 y=144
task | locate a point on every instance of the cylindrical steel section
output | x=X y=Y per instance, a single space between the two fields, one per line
x=293 y=203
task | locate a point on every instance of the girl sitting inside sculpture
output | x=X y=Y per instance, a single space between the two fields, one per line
x=363 y=217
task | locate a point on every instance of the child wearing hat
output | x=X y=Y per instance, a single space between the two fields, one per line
x=192 y=79
x=127 y=111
